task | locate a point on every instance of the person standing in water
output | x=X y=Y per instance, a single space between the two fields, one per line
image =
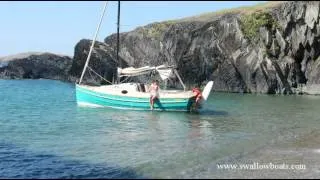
x=154 y=92
x=198 y=96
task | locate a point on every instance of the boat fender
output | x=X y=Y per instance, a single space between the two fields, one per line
x=124 y=91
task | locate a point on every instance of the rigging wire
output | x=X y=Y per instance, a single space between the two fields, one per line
x=92 y=45
x=98 y=74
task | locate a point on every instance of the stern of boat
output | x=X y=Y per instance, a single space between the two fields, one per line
x=205 y=95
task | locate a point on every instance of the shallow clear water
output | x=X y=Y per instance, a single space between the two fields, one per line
x=44 y=134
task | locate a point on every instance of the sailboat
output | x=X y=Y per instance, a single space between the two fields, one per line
x=135 y=96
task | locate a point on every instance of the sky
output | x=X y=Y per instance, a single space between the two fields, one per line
x=57 y=26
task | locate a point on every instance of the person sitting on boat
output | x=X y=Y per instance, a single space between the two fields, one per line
x=198 y=96
x=154 y=92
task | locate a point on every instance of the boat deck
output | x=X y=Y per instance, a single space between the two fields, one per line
x=132 y=90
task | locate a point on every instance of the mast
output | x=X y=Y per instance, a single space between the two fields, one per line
x=118 y=39
x=92 y=45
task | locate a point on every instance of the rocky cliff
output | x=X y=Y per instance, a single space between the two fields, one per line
x=102 y=61
x=269 y=48
x=35 y=65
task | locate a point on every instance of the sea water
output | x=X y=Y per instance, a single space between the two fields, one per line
x=44 y=134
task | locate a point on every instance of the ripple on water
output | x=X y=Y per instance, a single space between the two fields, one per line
x=44 y=134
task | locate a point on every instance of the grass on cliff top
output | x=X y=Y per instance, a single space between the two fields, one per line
x=155 y=29
x=239 y=10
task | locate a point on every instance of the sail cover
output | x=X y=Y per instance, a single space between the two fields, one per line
x=165 y=72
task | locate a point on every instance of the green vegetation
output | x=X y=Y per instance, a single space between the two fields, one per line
x=156 y=29
x=240 y=10
x=250 y=23
x=253 y=16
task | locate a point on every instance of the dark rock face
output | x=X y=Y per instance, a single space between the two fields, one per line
x=278 y=61
x=141 y=48
x=35 y=66
x=102 y=61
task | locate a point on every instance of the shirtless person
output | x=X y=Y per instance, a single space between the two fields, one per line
x=154 y=92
